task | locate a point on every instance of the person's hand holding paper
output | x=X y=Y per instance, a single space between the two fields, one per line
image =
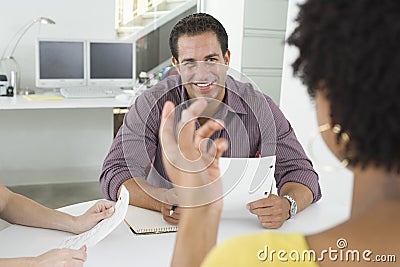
x=103 y=228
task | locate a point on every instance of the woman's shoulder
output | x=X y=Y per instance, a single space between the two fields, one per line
x=269 y=248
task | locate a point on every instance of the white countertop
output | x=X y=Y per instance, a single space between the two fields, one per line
x=20 y=102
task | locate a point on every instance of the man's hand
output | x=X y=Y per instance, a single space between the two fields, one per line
x=174 y=217
x=272 y=211
x=170 y=198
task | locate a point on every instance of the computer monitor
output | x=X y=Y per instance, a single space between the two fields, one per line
x=110 y=63
x=60 y=63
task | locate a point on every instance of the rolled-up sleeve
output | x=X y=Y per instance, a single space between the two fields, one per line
x=133 y=147
x=292 y=163
x=114 y=171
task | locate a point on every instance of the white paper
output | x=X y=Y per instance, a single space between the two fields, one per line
x=245 y=180
x=103 y=228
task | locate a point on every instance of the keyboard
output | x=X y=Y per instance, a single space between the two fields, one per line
x=90 y=92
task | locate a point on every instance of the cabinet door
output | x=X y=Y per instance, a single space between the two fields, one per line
x=267 y=81
x=263 y=49
x=265 y=14
x=263 y=43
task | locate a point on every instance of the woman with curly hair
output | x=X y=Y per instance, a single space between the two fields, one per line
x=349 y=61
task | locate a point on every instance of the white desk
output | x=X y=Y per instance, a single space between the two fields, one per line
x=54 y=141
x=122 y=248
x=20 y=103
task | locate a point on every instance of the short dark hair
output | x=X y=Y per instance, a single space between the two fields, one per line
x=349 y=49
x=195 y=24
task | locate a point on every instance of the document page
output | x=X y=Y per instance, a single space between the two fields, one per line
x=245 y=180
x=103 y=228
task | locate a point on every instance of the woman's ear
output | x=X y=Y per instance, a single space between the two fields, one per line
x=324 y=116
x=322 y=107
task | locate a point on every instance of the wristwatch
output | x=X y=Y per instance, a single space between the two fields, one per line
x=293 y=206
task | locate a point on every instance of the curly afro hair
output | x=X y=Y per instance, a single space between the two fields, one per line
x=350 y=46
x=195 y=24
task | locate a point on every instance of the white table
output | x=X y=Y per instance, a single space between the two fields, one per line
x=54 y=141
x=122 y=248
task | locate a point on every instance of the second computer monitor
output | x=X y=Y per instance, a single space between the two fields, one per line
x=110 y=63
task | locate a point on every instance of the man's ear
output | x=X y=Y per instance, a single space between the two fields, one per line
x=227 y=57
x=175 y=62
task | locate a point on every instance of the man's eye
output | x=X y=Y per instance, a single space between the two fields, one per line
x=189 y=64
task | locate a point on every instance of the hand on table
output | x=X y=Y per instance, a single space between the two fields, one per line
x=170 y=198
x=61 y=258
x=100 y=210
x=271 y=211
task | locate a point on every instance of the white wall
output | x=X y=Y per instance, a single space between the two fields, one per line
x=87 y=19
x=299 y=109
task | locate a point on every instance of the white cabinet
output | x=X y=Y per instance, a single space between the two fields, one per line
x=263 y=43
x=256 y=30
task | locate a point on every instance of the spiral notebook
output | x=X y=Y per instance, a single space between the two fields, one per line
x=144 y=221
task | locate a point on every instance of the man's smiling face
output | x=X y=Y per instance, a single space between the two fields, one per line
x=202 y=65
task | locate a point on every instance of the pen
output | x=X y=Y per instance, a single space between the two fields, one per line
x=171 y=211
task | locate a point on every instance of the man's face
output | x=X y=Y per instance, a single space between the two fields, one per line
x=202 y=65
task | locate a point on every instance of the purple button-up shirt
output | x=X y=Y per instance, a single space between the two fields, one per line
x=254 y=126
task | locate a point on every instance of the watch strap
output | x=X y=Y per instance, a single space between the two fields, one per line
x=293 y=206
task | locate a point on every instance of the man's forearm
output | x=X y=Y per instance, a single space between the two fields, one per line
x=299 y=192
x=144 y=195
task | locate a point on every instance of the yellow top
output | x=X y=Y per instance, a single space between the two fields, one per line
x=268 y=249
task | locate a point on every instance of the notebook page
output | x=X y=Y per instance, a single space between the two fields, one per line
x=144 y=221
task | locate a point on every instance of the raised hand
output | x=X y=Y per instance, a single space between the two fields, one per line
x=190 y=165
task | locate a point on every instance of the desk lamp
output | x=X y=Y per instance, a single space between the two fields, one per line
x=18 y=36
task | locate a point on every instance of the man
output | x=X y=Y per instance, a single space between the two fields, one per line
x=199 y=47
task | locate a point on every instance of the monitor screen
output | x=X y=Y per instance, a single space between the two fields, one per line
x=110 y=63
x=60 y=63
